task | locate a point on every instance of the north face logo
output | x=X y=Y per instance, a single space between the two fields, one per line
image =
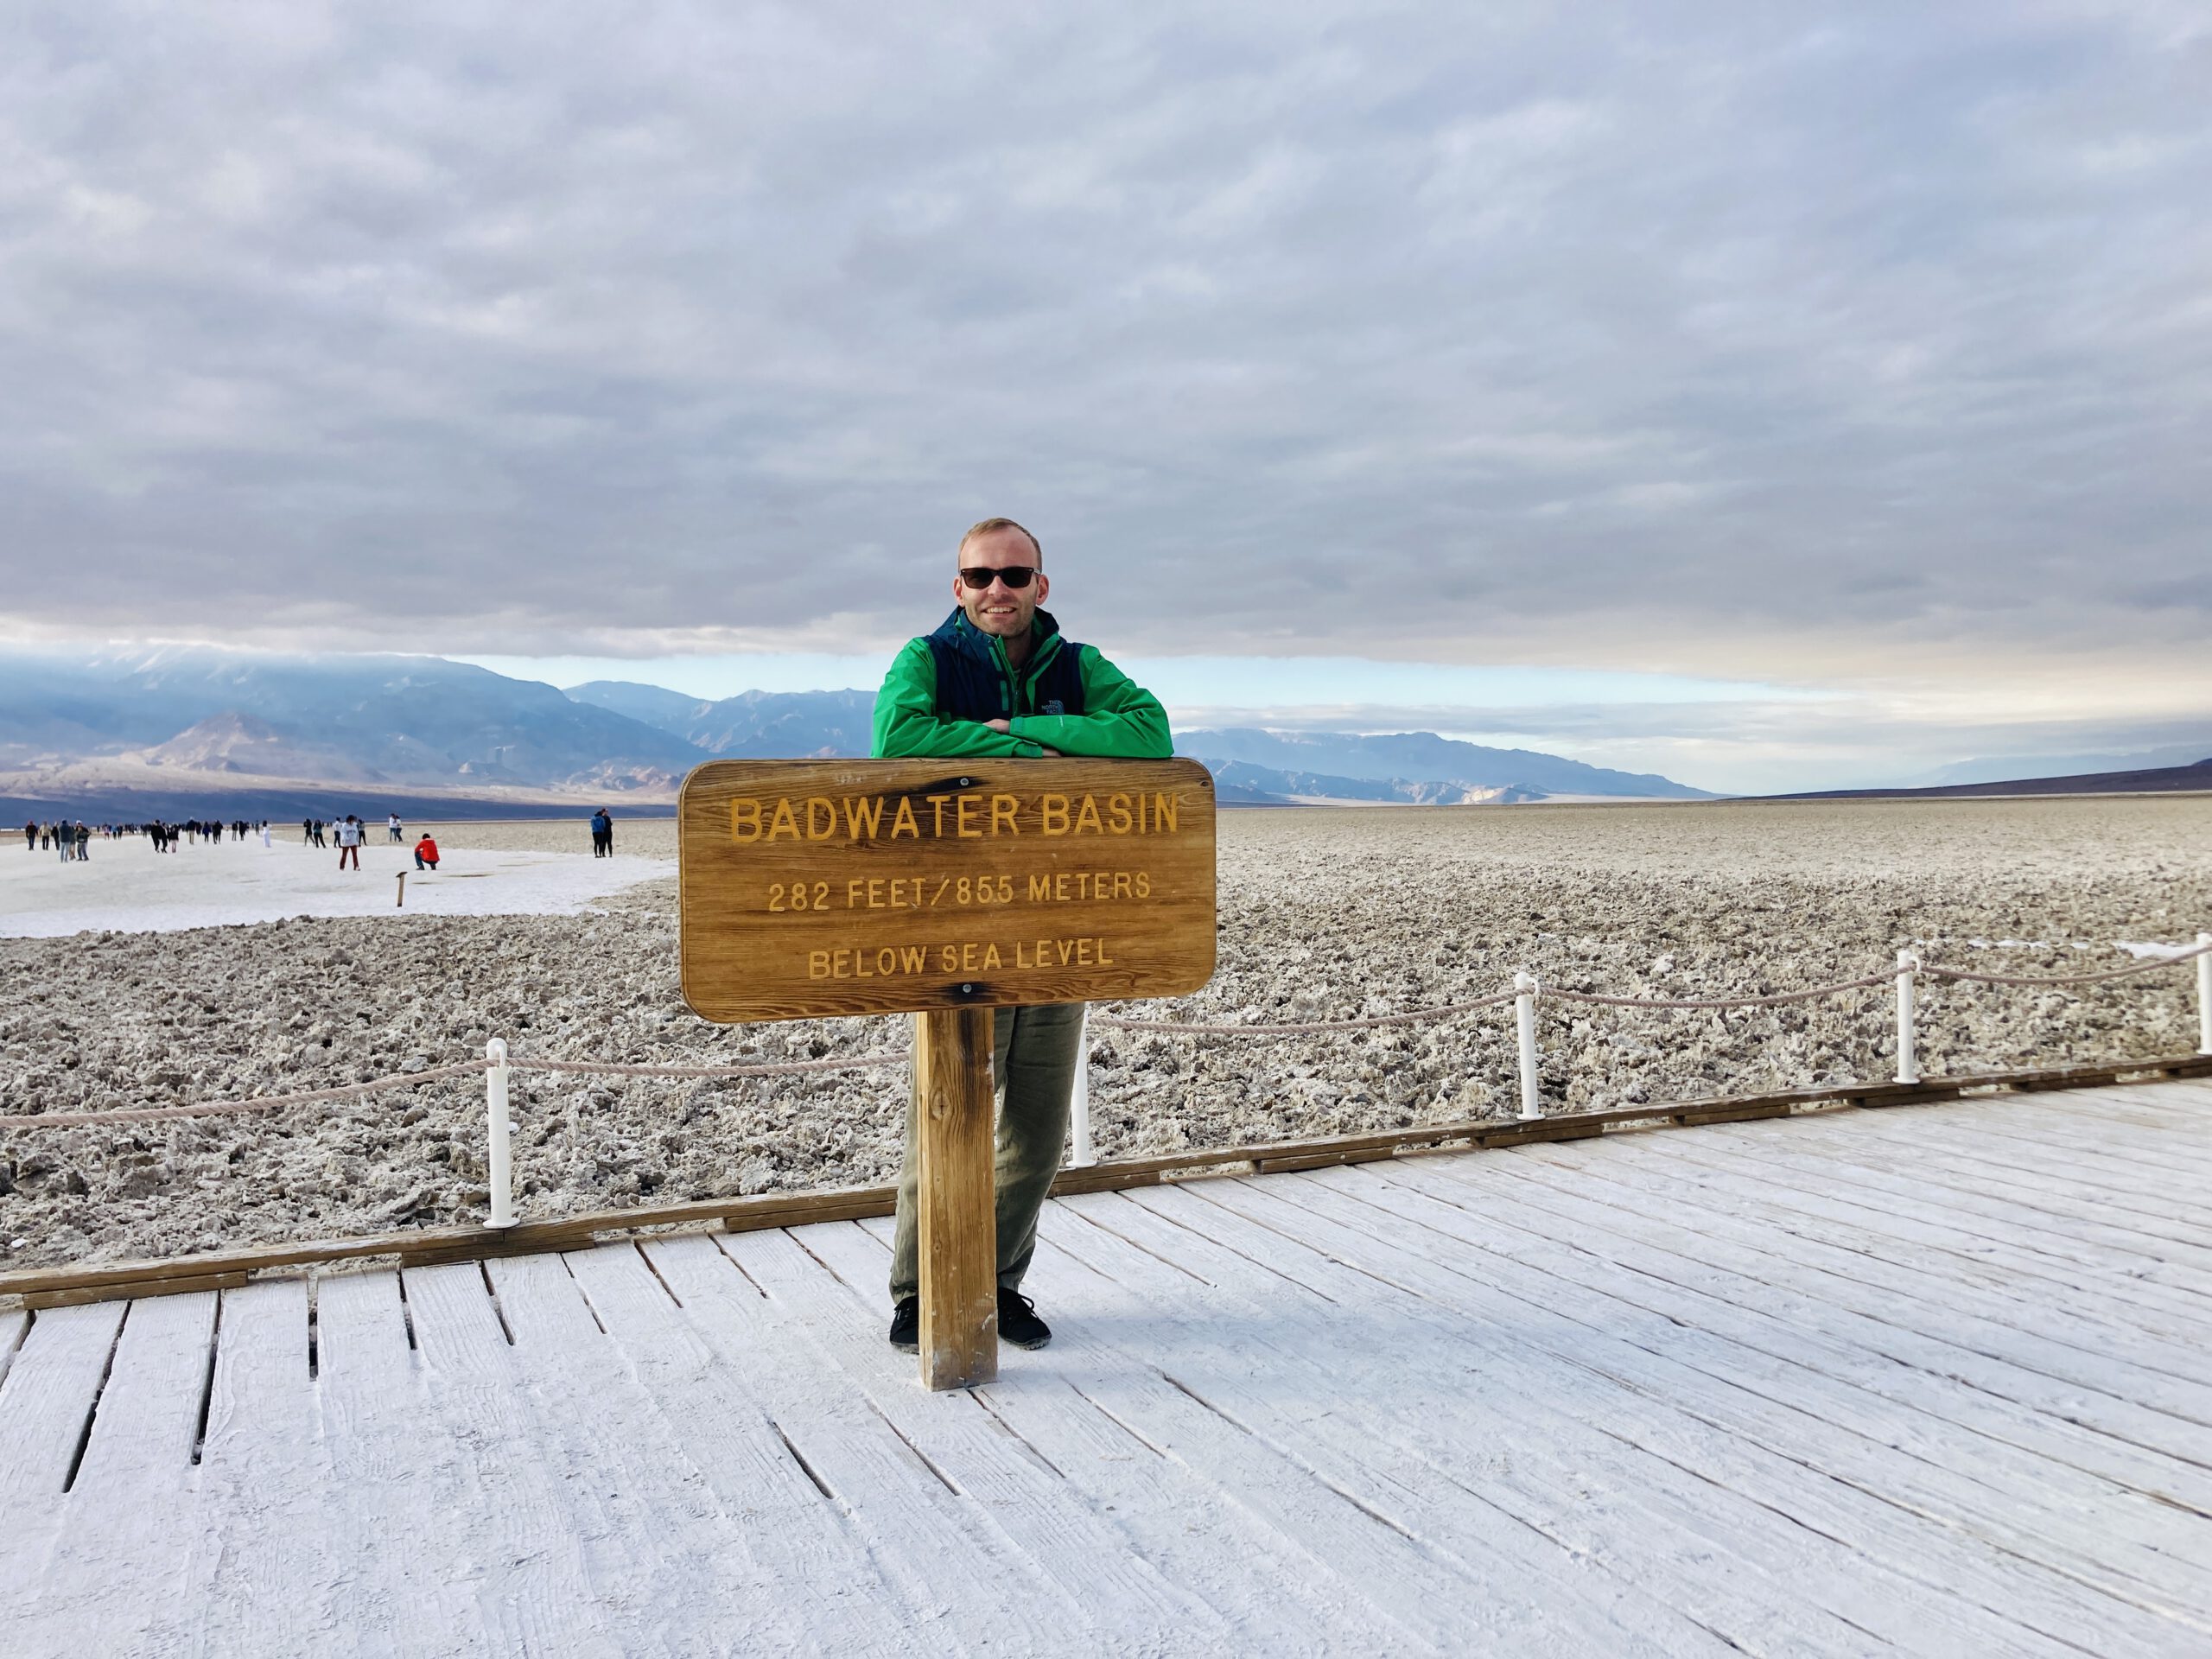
x=1053 y=707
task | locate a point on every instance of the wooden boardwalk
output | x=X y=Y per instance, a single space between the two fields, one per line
x=1930 y=1380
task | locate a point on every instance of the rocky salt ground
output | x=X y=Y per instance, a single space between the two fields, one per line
x=1324 y=915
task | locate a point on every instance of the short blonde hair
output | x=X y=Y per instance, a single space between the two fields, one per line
x=985 y=526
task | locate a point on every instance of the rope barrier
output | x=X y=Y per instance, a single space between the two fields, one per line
x=221 y=1109
x=1778 y=998
x=793 y=1068
x=782 y=1069
x=1438 y=1013
x=2151 y=966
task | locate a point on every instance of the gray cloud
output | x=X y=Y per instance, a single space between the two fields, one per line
x=1704 y=337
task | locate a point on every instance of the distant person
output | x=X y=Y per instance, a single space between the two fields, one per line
x=426 y=853
x=998 y=678
x=349 y=841
x=392 y=824
x=602 y=834
x=321 y=832
x=31 y=834
x=265 y=832
x=84 y=842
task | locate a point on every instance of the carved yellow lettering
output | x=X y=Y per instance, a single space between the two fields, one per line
x=1060 y=887
x=1105 y=961
x=1164 y=810
x=990 y=955
x=1002 y=812
x=817 y=964
x=1040 y=887
x=963 y=819
x=1117 y=814
x=902 y=821
x=852 y=895
x=1052 y=815
x=1082 y=952
x=863 y=815
x=886 y=961
x=821 y=810
x=914 y=958
x=745 y=820
x=841 y=964
x=1144 y=884
x=948 y=959
x=1121 y=884
x=937 y=807
x=1087 y=816
x=860 y=969
x=968 y=961
x=785 y=823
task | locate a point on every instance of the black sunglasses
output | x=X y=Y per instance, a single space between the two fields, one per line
x=1016 y=576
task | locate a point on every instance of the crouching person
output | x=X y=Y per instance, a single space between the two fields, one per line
x=426 y=853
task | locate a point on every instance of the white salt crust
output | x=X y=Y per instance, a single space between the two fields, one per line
x=1323 y=914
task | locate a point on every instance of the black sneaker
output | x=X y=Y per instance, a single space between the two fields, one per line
x=1018 y=1321
x=906 y=1325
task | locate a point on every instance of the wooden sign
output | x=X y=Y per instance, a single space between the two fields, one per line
x=816 y=887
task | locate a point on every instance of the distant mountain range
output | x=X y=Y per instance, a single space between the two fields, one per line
x=2148 y=780
x=1251 y=767
x=182 y=731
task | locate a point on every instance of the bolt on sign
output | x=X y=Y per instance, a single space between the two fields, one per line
x=819 y=887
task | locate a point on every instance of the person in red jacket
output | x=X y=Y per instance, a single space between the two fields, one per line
x=426 y=853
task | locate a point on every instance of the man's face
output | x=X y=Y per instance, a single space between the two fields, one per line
x=998 y=608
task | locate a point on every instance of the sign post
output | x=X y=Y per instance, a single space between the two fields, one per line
x=942 y=889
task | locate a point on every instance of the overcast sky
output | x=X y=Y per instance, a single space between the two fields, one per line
x=1863 y=365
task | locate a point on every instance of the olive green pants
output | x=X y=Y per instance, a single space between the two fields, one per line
x=1033 y=1058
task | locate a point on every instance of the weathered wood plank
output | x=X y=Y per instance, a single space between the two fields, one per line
x=916 y=1528
x=1441 y=1446
x=1507 y=1214
x=2078 y=1342
x=2129 y=1549
x=46 y=1400
x=114 y=1579
x=789 y=1532
x=1703 y=1545
x=1275 y=1595
x=663 y=1557
x=1736 y=1439
x=270 y=1559
x=417 y=1570
x=1898 y=1319
x=1084 y=1553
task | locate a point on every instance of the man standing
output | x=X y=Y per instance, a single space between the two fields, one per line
x=349 y=841
x=998 y=678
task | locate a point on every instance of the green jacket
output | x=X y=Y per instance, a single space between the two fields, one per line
x=942 y=688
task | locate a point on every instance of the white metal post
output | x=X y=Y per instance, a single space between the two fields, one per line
x=1079 y=1156
x=1524 y=1026
x=1908 y=1064
x=495 y=1098
x=2204 y=995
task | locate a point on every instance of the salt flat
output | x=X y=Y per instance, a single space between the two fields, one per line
x=1324 y=915
x=126 y=886
x=1922 y=1381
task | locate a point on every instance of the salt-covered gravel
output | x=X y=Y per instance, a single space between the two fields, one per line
x=1324 y=915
